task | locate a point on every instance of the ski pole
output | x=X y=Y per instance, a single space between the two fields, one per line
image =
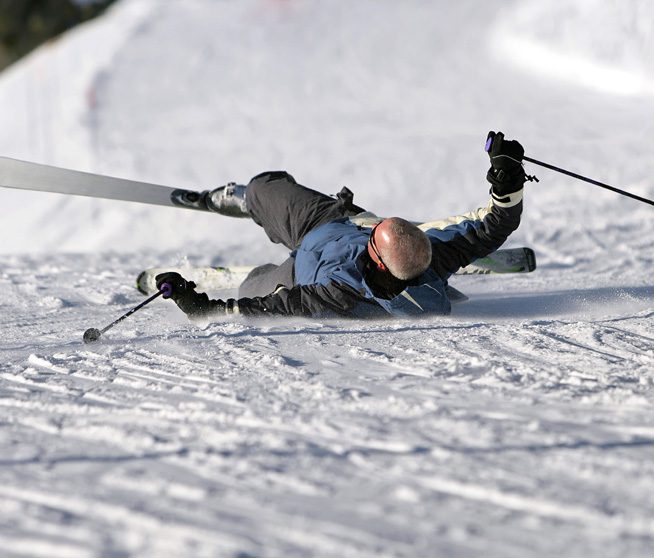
x=489 y=143
x=590 y=180
x=92 y=334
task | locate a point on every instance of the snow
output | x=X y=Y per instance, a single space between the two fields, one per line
x=519 y=426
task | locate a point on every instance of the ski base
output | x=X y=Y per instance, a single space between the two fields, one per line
x=24 y=175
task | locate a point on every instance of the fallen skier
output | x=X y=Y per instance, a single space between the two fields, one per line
x=340 y=265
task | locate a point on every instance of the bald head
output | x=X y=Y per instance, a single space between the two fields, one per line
x=404 y=249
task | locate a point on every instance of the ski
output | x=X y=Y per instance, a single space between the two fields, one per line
x=509 y=260
x=24 y=175
x=206 y=278
x=512 y=260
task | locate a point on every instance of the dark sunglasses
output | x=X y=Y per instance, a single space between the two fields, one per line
x=380 y=264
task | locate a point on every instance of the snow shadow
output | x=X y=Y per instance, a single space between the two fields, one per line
x=598 y=301
x=572 y=445
x=66 y=459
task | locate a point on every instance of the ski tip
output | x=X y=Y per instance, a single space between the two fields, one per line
x=530 y=258
x=141 y=283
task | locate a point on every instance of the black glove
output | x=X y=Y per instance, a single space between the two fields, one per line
x=178 y=285
x=191 y=303
x=506 y=173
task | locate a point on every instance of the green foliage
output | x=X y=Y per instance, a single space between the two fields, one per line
x=25 y=24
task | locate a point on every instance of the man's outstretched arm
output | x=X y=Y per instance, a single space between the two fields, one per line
x=316 y=300
x=474 y=235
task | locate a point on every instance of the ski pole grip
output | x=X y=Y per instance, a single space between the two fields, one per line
x=166 y=290
x=489 y=141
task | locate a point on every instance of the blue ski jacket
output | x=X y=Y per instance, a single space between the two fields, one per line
x=330 y=263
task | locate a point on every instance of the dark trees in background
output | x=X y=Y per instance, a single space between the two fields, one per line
x=25 y=24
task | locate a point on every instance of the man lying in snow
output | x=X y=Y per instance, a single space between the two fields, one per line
x=341 y=267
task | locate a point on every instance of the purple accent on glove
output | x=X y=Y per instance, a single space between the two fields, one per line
x=489 y=143
x=167 y=290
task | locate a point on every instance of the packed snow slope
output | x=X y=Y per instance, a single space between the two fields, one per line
x=520 y=426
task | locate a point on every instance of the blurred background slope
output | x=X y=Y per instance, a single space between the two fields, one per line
x=25 y=24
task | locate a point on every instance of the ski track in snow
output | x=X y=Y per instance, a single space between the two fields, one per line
x=519 y=426
x=462 y=436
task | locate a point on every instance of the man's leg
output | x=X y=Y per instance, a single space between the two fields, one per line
x=287 y=211
x=266 y=278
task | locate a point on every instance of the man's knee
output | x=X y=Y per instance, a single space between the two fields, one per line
x=264 y=185
x=265 y=279
x=264 y=181
x=270 y=176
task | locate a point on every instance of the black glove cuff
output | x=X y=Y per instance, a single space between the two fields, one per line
x=193 y=304
x=506 y=200
x=199 y=305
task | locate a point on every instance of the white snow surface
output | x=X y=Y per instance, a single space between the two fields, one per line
x=519 y=426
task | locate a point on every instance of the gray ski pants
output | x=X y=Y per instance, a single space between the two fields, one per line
x=287 y=211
